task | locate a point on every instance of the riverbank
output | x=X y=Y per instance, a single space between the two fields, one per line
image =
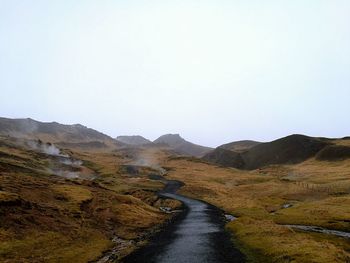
x=264 y=200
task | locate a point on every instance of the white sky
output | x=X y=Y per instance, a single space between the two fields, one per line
x=213 y=71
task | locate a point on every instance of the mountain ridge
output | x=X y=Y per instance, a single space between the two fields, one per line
x=52 y=131
x=180 y=145
x=133 y=139
x=239 y=146
x=291 y=149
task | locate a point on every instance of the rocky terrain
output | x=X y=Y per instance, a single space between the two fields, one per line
x=134 y=140
x=181 y=146
x=53 y=132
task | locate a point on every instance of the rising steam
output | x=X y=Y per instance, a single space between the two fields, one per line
x=47 y=148
x=148 y=158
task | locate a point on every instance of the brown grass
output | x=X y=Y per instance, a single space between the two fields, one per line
x=51 y=219
x=47 y=218
x=257 y=198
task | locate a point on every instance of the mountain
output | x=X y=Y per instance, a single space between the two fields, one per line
x=53 y=132
x=225 y=158
x=288 y=150
x=133 y=140
x=180 y=145
x=239 y=146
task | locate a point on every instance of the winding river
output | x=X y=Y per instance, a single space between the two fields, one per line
x=196 y=235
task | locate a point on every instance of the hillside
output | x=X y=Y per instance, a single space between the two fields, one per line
x=266 y=200
x=52 y=132
x=51 y=200
x=334 y=153
x=91 y=202
x=180 y=145
x=225 y=158
x=288 y=150
x=239 y=146
x=133 y=140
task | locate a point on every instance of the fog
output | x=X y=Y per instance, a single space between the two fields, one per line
x=213 y=71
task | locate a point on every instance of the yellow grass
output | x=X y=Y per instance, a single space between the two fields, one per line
x=276 y=243
x=60 y=220
x=318 y=191
x=53 y=247
x=257 y=198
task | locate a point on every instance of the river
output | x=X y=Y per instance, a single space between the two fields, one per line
x=196 y=235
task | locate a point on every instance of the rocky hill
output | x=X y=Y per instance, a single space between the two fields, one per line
x=180 y=145
x=53 y=132
x=133 y=140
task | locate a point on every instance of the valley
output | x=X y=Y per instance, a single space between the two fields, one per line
x=174 y=131
x=76 y=195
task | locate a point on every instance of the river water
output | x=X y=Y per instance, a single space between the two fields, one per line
x=197 y=235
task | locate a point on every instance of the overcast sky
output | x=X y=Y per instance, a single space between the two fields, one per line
x=213 y=71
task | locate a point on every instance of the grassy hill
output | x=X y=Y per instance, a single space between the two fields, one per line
x=288 y=150
x=225 y=157
x=239 y=146
x=265 y=200
x=334 y=153
x=48 y=215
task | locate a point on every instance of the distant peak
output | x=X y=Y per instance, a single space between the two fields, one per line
x=171 y=135
x=170 y=139
x=133 y=139
x=129 y=136
x=79 y=125
x=28 y=120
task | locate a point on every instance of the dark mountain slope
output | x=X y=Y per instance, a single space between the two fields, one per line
x=225 y=158
x=288 y=150
x=334 y=153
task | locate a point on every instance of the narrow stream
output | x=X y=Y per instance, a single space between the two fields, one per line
x=197 y=235
x=322 y=230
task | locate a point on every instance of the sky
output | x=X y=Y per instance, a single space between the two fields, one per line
x=214 y=71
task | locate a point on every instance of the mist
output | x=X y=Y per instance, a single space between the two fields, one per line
x=47 y=148
x=55 y=166
x=211 y=71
